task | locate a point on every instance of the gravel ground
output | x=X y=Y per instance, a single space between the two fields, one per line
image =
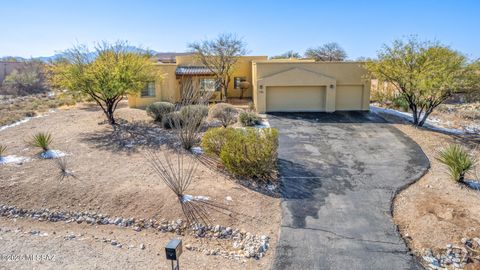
x=40 y=245
x=113 y=178
x=435 y=211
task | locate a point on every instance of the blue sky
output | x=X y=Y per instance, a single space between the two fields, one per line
x=41 y=28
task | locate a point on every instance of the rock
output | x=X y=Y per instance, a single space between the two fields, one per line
x=142 y=246
x=70 y=237
x=464 y=240
x=137 y=229
x=113 y=242
x=118 y=221
x=188 y=247
x=432 y=266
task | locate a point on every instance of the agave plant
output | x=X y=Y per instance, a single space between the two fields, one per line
x=458 y=161
x=42 y=140
x=3 y=150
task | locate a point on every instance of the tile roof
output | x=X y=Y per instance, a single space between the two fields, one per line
x=193 y=70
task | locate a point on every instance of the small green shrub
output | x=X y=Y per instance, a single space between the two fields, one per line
x=170 y=119
x=194 y=115
x=3 y=150
x=42 y=140
x=214 y=139
x=251 y=152
x=226 y=113
x=191 y=110
x=158 y=110
x=400 y=102
x=248 y=119
x=458 y=161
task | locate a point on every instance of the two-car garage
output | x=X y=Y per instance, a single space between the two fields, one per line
x=310 y=86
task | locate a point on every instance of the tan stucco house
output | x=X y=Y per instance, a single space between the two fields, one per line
x=289 y=85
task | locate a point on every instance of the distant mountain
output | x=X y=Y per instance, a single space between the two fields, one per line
x=168 y=57
x=161 y=56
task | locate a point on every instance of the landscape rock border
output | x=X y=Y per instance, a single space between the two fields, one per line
x=244 y=244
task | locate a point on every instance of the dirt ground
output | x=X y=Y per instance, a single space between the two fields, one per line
x=114 y=178
x=436 y=211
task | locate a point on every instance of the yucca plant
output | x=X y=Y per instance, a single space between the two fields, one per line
x=458 y=161
x=178 y=173
x=42 y=140
x=63 y=169
x=3 y=150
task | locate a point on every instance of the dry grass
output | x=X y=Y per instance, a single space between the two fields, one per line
x=15 y=109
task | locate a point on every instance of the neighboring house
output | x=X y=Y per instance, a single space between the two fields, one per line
x=276 y=85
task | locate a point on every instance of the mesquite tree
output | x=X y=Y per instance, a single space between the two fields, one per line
x=424 y=73
x=220 y=56
x=106 y=75
x=327 y=52
x=287 y=55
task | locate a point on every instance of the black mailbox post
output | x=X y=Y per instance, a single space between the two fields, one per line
x=173 y=250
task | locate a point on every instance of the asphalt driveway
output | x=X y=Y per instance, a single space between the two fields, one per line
x=339 y=173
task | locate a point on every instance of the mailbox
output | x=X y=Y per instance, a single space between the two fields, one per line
x=173 y=249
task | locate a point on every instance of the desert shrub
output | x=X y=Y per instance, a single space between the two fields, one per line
x=443 y=108
x=26 y=79
x=251 y=152
x=458 y=161
x=188 y=124
x=3 y=150
x=214 y=139
x=470 y=114
x=194 y=114
x=251 y=106
x=189 y=110
x=226 y=113
x=42 y=140
x=158 y=110
x=248 y=119
x=400 y=102
x=169 y=119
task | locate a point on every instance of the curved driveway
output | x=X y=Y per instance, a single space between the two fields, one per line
x=339 y=173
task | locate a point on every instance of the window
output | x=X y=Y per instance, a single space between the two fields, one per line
x=208 y=85
x=149 y=91
x=237 y=81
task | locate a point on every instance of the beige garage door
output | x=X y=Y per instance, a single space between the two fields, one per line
x=349 y=97
x=295 y=98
